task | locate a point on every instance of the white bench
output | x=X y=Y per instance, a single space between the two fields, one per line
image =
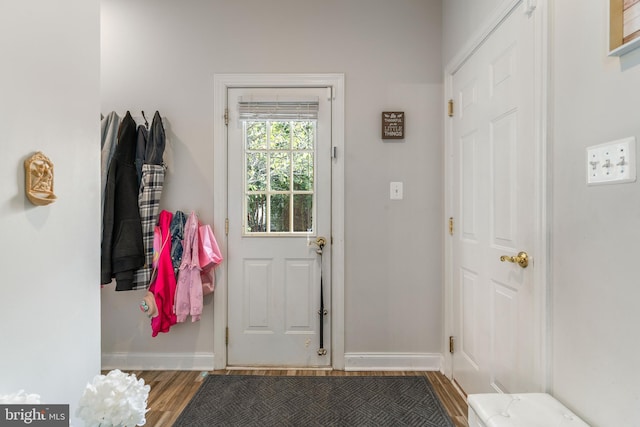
x=521 y=410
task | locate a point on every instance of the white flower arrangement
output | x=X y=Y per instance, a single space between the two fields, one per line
x=19 y=397
x=115 y=399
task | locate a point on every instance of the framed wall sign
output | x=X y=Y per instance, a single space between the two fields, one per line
x=393 y=125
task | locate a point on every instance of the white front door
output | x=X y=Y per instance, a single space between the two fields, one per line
x=494 y=203
x=279 y=205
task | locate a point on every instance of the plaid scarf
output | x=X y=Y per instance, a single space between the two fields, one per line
x=149 y=204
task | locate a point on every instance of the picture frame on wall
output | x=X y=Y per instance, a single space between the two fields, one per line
x=624 y=26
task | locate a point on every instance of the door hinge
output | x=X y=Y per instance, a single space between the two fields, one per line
x=226 y=226
x=451 y=345
x=334 y=152
x=451 y=226
x=450 y=108
x=226 y=116
x=226 y=336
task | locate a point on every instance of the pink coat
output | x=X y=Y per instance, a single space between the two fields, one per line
x=189 y=288
x=164 y=286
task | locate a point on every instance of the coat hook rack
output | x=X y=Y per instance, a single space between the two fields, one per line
x=146 y=122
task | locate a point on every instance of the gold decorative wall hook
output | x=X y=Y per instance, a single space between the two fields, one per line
x=38 y=170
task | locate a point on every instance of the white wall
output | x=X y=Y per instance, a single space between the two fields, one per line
x=595 y=230
x=163 y=55
x=49 y=297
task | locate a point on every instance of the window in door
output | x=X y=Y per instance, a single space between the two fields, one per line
x=279 y=159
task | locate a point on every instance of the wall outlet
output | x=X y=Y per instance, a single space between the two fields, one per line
x=612 y=162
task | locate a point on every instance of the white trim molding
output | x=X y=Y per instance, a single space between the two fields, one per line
x=222 y=82
x=158 y=361
x=392 y=361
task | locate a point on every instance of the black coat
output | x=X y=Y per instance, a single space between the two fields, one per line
x=122 y=247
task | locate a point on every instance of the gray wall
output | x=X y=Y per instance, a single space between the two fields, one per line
x=595 y=232
x=50 y=102
x=163 y=55
x=596 y=229
x=461 y=19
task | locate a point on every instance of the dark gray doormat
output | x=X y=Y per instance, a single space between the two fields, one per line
x=247 y=400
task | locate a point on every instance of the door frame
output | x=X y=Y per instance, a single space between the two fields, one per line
x=222 y=82
x=542 y=201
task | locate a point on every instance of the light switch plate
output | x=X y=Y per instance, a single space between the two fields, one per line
x=613 y=162
x=396 y=191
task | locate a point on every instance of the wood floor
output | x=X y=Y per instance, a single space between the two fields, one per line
x=172 y=390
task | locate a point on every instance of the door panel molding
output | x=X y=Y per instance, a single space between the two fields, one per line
x=335 y=81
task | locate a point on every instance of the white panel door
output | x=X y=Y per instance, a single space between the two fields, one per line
x=279 y=202
x=493 y=133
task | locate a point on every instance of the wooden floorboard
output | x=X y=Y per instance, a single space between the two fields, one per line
x=172 y=390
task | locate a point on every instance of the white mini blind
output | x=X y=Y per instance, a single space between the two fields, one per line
x=250 y=108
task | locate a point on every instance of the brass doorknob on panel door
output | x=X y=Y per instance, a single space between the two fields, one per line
x=522 y=259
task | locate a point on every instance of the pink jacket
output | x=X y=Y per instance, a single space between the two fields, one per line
x=210 y=256
x=164 y=287
x=189 y=288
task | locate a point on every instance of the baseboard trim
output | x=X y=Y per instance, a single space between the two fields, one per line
x=205 y=361
x=392 y=361
x=158 y=361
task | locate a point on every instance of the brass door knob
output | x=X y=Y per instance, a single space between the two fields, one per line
x=320 y=242
x=522 y=259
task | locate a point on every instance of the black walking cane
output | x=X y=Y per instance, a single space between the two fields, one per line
x=320 y=241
